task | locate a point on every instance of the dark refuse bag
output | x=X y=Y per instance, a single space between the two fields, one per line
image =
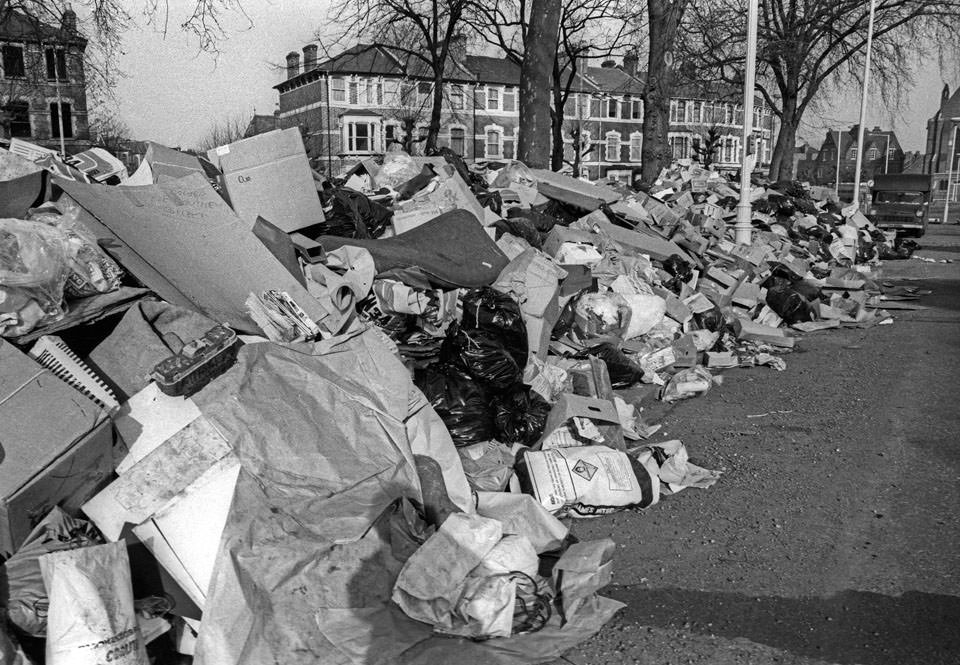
x=354 y=216
x=498 y=314
x=459 y=400
x=519 y=416
x=789 y=304
x=623 y=371
x=520 y=227
x=484 y=356
x=680 y=270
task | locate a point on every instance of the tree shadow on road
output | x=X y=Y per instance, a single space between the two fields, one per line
x=849 y=627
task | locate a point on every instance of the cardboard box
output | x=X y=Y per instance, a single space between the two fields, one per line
x=57 y=446
x=269 y=175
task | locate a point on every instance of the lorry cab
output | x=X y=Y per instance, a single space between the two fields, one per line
x=900 y=202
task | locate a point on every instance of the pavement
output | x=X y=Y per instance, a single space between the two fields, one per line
x=834 y=534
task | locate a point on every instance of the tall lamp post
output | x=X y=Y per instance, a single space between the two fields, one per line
x=863 y=106
x=748 y=157
x=951 y=158
x=836 y=180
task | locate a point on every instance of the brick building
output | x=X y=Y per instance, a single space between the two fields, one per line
x=352 y=105
x=42 y=82
x=882 y=153
x=942 y=156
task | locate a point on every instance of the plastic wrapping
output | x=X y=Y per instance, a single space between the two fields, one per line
x=91 y=270
x=623 y=371
x=398 y=167
x=33 y=272
x=519 y=416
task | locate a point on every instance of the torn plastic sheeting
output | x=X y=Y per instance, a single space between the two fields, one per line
x=453 y=250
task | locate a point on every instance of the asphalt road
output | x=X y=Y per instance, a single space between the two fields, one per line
x=834 y=533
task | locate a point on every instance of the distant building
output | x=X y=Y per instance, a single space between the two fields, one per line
x=882 y=153
x=42 y=81
x=805 y=162
x=942 y=156
x=261 y=124
x=352 y=105
x=913 y=161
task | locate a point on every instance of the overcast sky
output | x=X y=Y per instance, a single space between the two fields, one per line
x=172 y=93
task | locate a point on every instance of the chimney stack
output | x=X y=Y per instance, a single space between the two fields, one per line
x=630 y=63
x=458 y=47
x=293 y=64
x=309 y=57
x=68 y=22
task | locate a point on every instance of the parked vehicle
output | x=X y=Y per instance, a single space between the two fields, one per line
x=901 y=202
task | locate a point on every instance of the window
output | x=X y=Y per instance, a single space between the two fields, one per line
x=493 y=143
x=595 y=107
x=613 y=147
x=508 y=143
x=354 y=90
x=688 y=113
x=479 y=100
x=424 y=92
x=680 y=147
x=636 y=146
x=697 y=112
x=56 y=64
x=674 y=114
x=390 y=133
x=359 y=137
x=728 y=150
x=369 y=89
x=728 y=114
x=852 y=153
x=493 y=99
x=12 y=61
x=456 y=140
x=55 y=117
x=873 y=153
x=611 y=107
x=456 y=97
x=509 y=99
x=637 y=109
x=337 y=89
x=19 y=113
x=379 y=93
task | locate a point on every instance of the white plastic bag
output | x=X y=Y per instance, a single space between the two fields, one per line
x=91 y=619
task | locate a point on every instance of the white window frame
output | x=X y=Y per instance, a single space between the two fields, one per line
x=450 y=131
x=674 y=111
x=611 y=139
x=498 y=93
x=873 y=153
x=612 y=103
x=486 y=142
x=636 y=146
x=515 y=93
x=635 y=105
x=353 y=92
x=686 y=143
x=457 y=97
x=334 y=90
x=586 y=141
x=349 y=137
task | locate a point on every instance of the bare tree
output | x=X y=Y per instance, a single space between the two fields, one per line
x=419 y=30
x=805 y=48
x=226 y=130
x=589 y=29
x=108 y=131
x=540 y=54
x=664 y=18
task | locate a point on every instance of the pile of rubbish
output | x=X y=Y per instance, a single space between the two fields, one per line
x=252 y=415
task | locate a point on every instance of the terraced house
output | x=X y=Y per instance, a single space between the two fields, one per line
x=42 y=81
x=351 y=106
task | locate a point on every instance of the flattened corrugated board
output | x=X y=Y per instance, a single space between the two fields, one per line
x=190 y=248
x=169 y=163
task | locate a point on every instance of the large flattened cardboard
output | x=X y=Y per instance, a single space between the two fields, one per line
x=186 y=244
x=269 y=176
x=169 y=163
x=57 y=446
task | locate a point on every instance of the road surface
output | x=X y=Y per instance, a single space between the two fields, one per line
x=834 y=533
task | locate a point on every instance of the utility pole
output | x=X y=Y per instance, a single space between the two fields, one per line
x=863 y=107
x=743 y=226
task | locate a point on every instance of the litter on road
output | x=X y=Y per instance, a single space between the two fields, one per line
x=270 y=416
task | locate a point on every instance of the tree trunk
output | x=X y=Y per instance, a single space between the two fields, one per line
x=781 y=163
x=664 y=18
x=540 y=50
x=433 y=133
x=556 y=120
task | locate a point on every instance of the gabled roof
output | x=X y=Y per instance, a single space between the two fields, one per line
x=17 y=26
x=614 y=80
x=261 y=124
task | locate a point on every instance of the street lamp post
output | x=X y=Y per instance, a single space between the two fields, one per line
x=951 y=157
x=836 y=180
x=863 y=106
x=743 y=226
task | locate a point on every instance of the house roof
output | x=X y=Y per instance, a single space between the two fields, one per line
x=17 y=26
x=614 y=80
x=488 y=69
x=260 y=124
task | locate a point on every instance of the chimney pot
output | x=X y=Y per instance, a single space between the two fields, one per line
x=608 y=64
x=309 y=57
